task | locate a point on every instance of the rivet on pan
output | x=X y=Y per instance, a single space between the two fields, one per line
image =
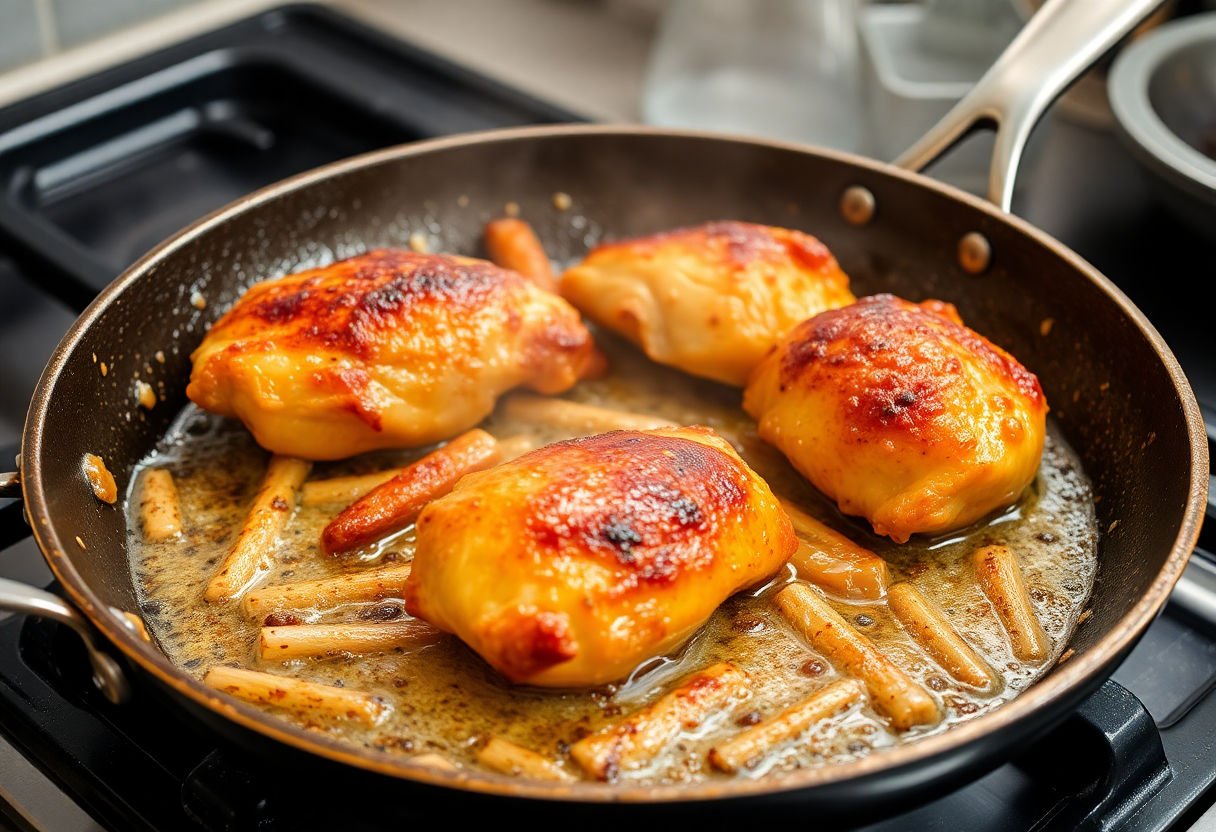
x=857 y=205
x=974 y=253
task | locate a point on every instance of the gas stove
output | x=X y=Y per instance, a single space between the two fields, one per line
x=99 y=170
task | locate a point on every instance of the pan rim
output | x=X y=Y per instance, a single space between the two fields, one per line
x=1069 y=679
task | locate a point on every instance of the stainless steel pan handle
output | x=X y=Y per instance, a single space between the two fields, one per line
x=20 y=598
x=1062 y=40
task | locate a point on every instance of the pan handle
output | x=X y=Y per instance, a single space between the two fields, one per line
x=17 y=597
x=12 y=521
x=1062 y=40
x=107 y=675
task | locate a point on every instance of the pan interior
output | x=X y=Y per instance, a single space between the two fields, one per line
x=444 y=700
x=1113 y=398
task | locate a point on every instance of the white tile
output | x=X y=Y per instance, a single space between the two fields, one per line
x=19 y=38
x=82 y=20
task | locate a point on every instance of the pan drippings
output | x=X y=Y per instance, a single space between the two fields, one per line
x=445 y=700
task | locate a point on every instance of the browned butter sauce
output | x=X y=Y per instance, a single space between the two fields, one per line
x=445 y=699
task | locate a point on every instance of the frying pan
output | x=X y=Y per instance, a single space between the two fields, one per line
x=1115 y=388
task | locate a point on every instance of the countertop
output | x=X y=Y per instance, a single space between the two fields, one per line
x=588 y=55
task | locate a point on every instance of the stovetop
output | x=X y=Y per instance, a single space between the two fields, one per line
x=85 y=168
x=1122 y=762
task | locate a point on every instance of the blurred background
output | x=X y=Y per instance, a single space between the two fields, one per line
x=862 y=76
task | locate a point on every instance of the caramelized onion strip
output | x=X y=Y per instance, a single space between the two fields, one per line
x=926 y=622
x=759 y=740
x=393 y=505
x=326 y=593
x=892 y=692
x=834 y=563
x=303 y=640
x=506 y=757
x=644 y=734
x=249 y=558
x=583 y=419
x=160 y=511
x=1000 y=577
x=307 y=699
x=512 y=244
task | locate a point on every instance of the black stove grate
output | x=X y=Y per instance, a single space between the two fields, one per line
x=83 y=168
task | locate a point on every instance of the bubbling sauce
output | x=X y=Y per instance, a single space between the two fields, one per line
x=445 y=699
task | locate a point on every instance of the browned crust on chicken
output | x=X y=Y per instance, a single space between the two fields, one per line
x=350 y=304
x=571 y=564
x=737 y=244
x=895 y=365
x=391 y=348
x=901 y=414
x=654 y=518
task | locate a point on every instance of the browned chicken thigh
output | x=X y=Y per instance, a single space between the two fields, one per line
x=388 y=349
x=574 y=563
x=902 y=415
x=711 y=300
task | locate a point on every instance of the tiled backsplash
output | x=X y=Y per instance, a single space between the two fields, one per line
x=30 y=29
x=81 y=20
x=20 y=39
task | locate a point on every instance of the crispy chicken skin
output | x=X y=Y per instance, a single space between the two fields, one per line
x=710 y=300
x=388 y=349
x=901 y=414
x=572 y=564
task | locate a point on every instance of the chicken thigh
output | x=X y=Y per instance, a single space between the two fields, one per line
x=710 y=300
x=388 y=349
x=572 y=564
x=901 y=414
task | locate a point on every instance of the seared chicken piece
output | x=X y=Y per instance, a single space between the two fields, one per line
x=902 y=415
x=389 y=349
x=572 y=564
x=710 y=300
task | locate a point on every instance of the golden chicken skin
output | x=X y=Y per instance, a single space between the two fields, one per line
x=901 y=414
x=711 y=300
x=572 y=564
x=390 y=349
